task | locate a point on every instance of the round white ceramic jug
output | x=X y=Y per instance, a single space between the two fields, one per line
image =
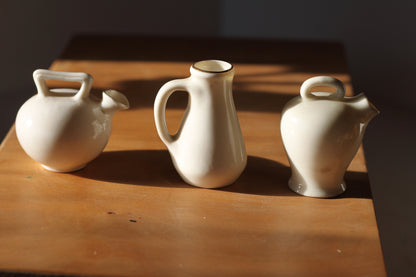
x=64 y=128
x=321 y=133
x=208 y=150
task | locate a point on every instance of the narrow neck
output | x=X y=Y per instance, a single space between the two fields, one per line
x=212 y=69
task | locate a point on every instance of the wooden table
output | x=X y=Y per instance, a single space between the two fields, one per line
x=128 y=213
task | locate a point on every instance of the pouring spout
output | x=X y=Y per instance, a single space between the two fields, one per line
x=366 y=109
x=113 y=101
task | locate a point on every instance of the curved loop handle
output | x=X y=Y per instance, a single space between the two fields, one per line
x=305 y=90
x=160 y=107
x=41 y=75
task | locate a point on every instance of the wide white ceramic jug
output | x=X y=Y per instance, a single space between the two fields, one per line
x=208 y=150
x=321 y=133
x=65 y=128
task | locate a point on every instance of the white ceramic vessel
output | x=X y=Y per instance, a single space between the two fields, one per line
x=321 y=133
x=64 y=129
x=208 y=150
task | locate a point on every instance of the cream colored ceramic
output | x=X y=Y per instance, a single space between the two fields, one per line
x=208 y=150
x=321 y=133
x=64 y=129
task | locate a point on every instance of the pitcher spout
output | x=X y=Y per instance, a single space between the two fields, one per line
x=113 y=101
x=366 y=109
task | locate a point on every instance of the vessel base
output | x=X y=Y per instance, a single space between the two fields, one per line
x=314 y=190
x=63 y=171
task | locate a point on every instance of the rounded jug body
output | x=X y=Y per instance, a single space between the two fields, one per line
x=63 y=129
x=321 y=133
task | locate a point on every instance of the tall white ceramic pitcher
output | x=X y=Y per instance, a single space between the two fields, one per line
x=208 y=149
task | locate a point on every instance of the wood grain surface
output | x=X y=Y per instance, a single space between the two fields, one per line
x=128 y=213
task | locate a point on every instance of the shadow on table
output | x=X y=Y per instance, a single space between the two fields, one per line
x=358 y=185
x=136 y=167
x=142 y=94
x=267 y=177
x=155 y=168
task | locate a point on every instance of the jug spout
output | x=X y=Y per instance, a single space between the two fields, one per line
x=113 y=101
x=366 y=109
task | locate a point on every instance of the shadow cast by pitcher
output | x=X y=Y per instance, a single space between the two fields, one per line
x=135 y=167
x=154 y=168
x=262 y=177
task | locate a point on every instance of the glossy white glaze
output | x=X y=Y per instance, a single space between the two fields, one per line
x=321 y=134
x=64 y=129
x=208 y=150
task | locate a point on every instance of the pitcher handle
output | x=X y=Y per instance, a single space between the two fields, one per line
x=305 y=90
x=41 y=75
x=160 y=107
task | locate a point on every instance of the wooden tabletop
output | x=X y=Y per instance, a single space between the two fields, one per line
x=128 y=213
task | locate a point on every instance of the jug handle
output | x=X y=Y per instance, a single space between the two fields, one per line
x=160 y=107
x=305 y=90
x=41 y=75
